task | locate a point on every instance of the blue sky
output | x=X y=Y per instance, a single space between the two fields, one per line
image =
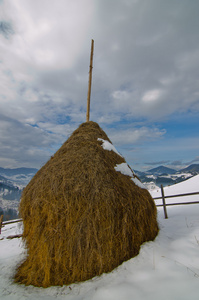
x=145 y=88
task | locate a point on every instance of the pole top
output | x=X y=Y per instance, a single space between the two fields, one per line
x=90 y=82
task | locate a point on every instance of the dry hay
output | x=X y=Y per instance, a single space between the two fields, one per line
x=81 y=217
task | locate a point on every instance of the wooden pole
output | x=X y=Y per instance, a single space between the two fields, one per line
x=163 y=202
x=1 y=222
x=89 y=82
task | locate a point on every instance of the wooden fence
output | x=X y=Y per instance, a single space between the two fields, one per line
x=7 y=222
x=11 y=221
x=164 y=204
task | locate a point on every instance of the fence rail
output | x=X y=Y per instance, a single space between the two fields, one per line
x=11 y=221
x=164 y=204
x=179 y=195
x=183 y=203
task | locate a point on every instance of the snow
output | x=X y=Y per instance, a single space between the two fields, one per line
x=124 y=169
x=7 y=204
x=175 y=176
x=151 y=176
x=19 y=180
x=138 y=183
x=151 y=185
x=190 y=185
x=108 y=146
x=166 y=269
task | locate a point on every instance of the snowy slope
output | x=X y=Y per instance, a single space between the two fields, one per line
x=166 y=269
x=188 y=186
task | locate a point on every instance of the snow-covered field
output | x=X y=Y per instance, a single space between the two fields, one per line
x=190 y=185
x=166 y=269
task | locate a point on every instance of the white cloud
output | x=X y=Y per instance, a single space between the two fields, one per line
x=120 y=95
x=146 y=65
x=152 y=95
x=49 y=34
x=135 y=135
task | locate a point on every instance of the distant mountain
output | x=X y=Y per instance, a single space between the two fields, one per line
x=19 y=176
x=167 y=176
x=12 y=182
x=192 y=168
x=2 y=178
x=161 y=170
x=138 y=173
x=17 y=171
x=9 y=192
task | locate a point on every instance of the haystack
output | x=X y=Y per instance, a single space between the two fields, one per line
x=82 y=217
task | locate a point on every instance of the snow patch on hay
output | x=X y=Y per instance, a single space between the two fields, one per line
x=108 y=146
x=124 y=169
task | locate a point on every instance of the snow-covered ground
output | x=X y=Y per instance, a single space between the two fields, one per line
x=190 y=185
x=151 y=186
x=166 y=269
x=175 y=176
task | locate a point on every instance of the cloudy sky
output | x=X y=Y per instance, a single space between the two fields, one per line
x=145 y=89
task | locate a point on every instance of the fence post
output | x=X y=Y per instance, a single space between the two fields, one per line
x=1 y=222
x=163 y=202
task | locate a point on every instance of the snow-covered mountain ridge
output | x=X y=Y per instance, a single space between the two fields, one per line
x=153 y=178
x=12 y=183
